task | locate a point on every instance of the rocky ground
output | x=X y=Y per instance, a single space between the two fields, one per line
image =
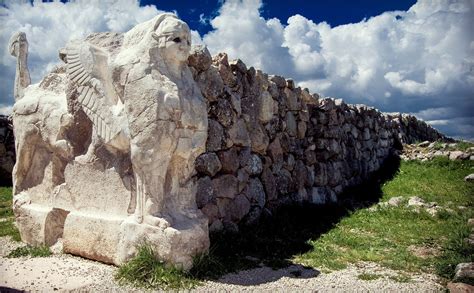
x=66 y=273
x=428 y=150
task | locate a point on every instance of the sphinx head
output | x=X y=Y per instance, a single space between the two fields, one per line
x=174 y=39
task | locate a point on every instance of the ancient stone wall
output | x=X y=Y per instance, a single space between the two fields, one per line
x=412 y=130
x=7 y=150
x=271 y=143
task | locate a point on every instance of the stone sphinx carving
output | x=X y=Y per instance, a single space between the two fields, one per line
x=109 y=141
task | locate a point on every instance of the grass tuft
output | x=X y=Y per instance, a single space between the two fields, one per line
x=33 y=251
x=147 y=271
x=7 y=222
x=401 y=278
x=369 y=277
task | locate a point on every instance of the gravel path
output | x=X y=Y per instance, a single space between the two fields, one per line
x=66 y=273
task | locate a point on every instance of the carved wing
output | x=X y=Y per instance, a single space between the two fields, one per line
x=83 y=62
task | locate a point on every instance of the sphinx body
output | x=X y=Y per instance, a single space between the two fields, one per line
x=109 y=141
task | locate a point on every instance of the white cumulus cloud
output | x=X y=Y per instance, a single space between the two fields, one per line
x=49 y=26
x=406 y=61
x=419 y=61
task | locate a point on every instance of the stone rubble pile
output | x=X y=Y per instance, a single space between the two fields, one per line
x=271 y=143
x=427 y=150
x=7 y=150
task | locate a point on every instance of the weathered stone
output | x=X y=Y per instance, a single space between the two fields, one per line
x=258 y=139
x=200 y=58
x=211 y=211
x=290 y=163
x=464 y=271
x=222 y=63
x=310 y=157
x=318 y=195
x=320 y=174
x=300 y=174
x=223 y=205
x=269 y=183
x=254 y=192
x=104 y=140
x=291 y=126
x=459 y=288
x=253 y=216
x=302 y=129
x=222 y=111
x=208 y=164
x=239 y=208
x=284 y=182
x=216 y=226
x=238 y=65
x=275 y=150
x=230 y=227
x=278 y=80
x=229 y=160
x=251 y=163
x=395 y=201
x=469 y=177
x=205 y=192
x=215 y=138
x=243 y=178
x=238 y=134
x=292 y=100
x=211 y=84
x=265 y=113
x=225 y=186
x=458 y=155
x=416 y=201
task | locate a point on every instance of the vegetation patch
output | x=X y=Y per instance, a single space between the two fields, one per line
x=369 y=277
x=388 y=235
x=7 y=222
x=401 y=278
x=33 y=251
x=147 y=271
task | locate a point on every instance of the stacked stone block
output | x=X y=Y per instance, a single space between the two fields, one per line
x=271 y=143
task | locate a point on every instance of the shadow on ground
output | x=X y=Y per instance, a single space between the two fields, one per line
x=285 y=234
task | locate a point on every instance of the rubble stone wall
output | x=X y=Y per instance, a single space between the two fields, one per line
x=271 y=143
x=7 y=151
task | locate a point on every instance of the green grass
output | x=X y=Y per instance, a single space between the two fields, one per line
x=369 y=277
x=33 y=251
x=464 y=145
x=385 y=235
x=147 y=271
x=7 y=222
x=460 y=146
x=401 y=278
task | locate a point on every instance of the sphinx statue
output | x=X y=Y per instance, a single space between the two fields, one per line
x=108 y=141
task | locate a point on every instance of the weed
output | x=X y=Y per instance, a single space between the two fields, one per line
x=147 y=271
x=8 y=228
x=33 y=251
x=7 y=225
x=369 y=277
x=401 y=278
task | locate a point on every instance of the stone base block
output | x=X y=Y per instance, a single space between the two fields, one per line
x=172 y=244
x=40 y=225
x=92 y=236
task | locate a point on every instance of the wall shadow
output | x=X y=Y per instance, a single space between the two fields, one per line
x=284 y=234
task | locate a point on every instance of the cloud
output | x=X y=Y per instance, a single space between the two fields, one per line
x=408 y=61
x=418 y=61
x=49 y=26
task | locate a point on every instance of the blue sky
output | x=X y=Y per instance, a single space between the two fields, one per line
x=334 y=12
x=399 y=56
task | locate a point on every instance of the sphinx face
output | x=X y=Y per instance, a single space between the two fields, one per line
x=175 y=40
